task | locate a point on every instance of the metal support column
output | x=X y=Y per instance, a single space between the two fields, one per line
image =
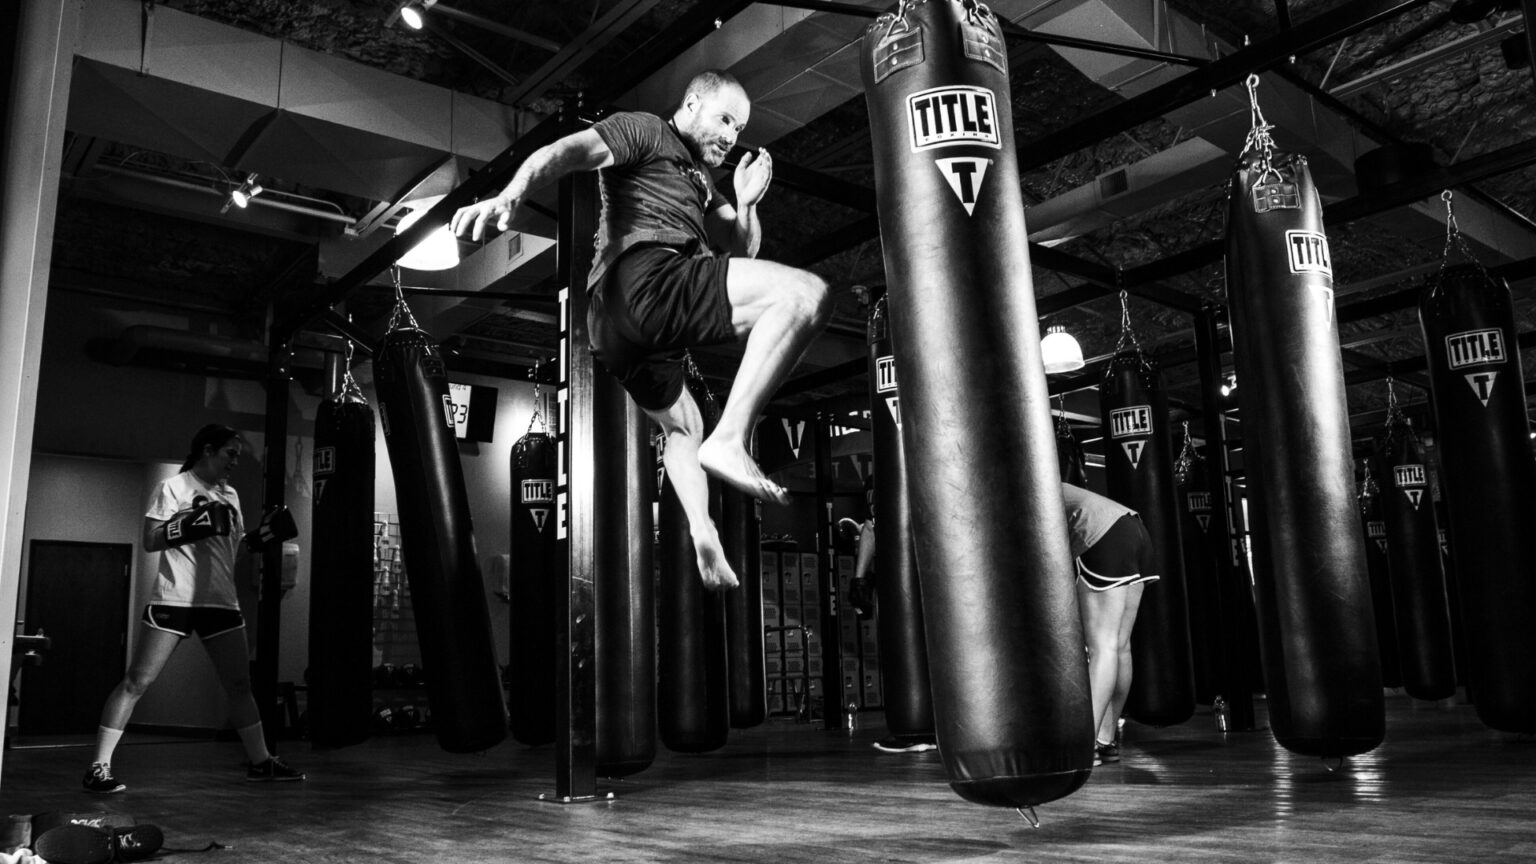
x=269 y=615
x=826 y=556
x=1236 y=594
x=576 y=678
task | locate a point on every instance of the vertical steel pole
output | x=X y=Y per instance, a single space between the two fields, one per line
x=826 y=557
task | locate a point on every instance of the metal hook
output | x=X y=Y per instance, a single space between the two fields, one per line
x=1030 y=817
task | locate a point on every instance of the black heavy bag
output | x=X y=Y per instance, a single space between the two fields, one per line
x=1413 y=559
x=537 y=578
x=1373 y=524
x=1138 y=463
x=1070 y=458
x=692 y=691
x=340 y=675
x=1317 y=632
x=1005 y=647
x=453 y=623
x=899 y=626
x=623 y=590
x=1201 y=578
x=1489 y=483
x=741 y=535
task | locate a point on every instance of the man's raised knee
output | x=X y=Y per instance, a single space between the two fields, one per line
x=815 y=299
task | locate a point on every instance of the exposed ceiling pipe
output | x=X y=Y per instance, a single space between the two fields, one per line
x=313 y=212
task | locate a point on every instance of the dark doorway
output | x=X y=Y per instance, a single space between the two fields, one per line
x=77 y=593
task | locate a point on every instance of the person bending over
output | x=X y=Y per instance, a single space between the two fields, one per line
x=194 y=522
x=674 y=268
x=1114 y=562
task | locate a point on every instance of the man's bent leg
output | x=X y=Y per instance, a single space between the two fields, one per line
x=683 y=427
x=779 y=309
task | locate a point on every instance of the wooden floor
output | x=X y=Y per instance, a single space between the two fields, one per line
x=1441 y=789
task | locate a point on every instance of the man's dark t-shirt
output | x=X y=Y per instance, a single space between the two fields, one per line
x=654 y=192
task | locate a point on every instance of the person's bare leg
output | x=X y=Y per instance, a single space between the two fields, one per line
x=1101 y=612
x=683 y=426
x=1108 y=728
x=779 y=310
x=150 y=653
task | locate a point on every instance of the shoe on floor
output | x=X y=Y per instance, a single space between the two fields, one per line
x=74 y=844
x=908 y=744
x=1104 y=754
x=99 y=779
x=273 y=769
x=137 y=842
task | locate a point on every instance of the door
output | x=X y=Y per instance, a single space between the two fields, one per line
x=77 y=594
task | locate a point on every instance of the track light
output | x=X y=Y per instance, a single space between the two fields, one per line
x=1060 y=351
x=414 y=15
x=438 y=251
x=241 y=197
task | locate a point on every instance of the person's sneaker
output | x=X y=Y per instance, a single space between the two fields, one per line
x=905 y=744
x=99 y=779
x=1104 y=754
x=74 y=844
x=272 y=769
x=137 y=842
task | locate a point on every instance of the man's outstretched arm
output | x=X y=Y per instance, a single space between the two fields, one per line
x=579 y=151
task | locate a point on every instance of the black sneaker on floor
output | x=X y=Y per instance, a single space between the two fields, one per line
x=99 y=779
x=137 y=842
x=74 y=844
x=274 y=769
x=1104 y=754
x=900 y=744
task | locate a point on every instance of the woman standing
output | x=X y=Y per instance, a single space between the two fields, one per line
x=194 y=522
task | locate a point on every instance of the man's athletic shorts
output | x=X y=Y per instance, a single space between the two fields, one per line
x=653 y=302
x=1123 y=556
x=205 y=621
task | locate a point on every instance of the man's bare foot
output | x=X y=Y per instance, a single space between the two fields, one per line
x=733 y=466
x=713 y=568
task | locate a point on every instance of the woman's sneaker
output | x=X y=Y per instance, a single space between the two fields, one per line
x=99 y=780
x=74 y=844
x=271 y=770
x=1104 y=754
x=906 y=744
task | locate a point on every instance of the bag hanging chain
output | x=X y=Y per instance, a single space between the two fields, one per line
x=401 y=316
x=349 y=388
x=538 y=400
x=1259 y=138
x=1063 y=428
x=1188 y=456
x=1454 y=239
x=1127 y=332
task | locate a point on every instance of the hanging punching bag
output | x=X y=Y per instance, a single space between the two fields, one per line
x=1069 y=455
x=741 y=535
x=1138 y=462
x=623 y=594
x=1489 y=482
x=453 y=622
x=340 y=674
x=537 y=578
x=899 y=626
x=1316 y=628
x=1005 y=647
x=1201 y=577
x=692 y=691
x=1373 y=524
x=1413 y=559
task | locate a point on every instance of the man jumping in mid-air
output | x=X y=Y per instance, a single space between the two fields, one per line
x=658 y=286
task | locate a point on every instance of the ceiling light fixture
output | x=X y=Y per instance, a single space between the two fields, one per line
x=414 y=15
x=439 y=250
x=241 y=196
x=1060 y=351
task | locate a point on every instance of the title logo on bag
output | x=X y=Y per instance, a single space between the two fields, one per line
x=1200 y=505
x=1410 y=479
x=538 y=491
x=1128 y=422
x=1307 y=252
x=950 y=116
x=964 y=176
x=1475 y=347
x=885 y=374
x=1377 y=531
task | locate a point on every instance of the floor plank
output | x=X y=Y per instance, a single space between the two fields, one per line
x=1442 y=788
